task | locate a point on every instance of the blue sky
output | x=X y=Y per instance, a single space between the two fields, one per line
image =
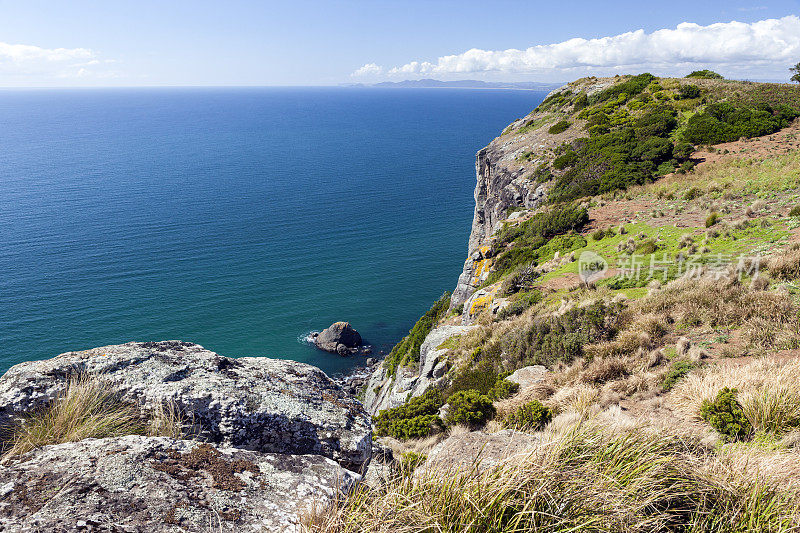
x=177 y=42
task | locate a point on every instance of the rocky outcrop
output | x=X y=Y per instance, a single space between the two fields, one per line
x=339 y=338
x=528 y=376
x=385 y=392
x=157 y=484
x=484 y=450
x=254 y=403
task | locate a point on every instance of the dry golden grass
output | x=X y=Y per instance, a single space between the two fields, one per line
x=769 y=391
x=88 y=408
x=579 y=478
x=784 y=265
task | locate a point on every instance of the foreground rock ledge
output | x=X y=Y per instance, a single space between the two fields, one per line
x=254 y=403
x=157 y=484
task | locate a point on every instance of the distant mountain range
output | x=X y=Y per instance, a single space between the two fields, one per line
x=463 y=84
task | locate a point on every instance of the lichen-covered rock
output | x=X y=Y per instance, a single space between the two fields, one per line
x=384 y=393
x=339 y=334
x=478 y=449
x=157 y=484
x=254 y=403
x=528 y=376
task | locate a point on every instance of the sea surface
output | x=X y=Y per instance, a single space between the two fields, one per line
x=239 y=219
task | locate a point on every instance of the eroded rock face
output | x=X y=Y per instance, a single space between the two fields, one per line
x=384 y=393
x=253 y=403
x=157 y=484
x=338 y=338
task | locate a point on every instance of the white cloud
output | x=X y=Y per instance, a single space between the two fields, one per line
x=370 y=69
x=22 y=53
x=757 y=48
x=23 y=64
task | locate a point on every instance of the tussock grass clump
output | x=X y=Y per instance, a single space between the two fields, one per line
x=89 y=408
x=580 y=480
x=768 y=392
x=785 y=265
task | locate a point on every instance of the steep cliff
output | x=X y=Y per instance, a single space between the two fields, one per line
x=542 y=184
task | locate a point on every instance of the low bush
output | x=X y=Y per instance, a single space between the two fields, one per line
x=725 y=414
x=712 y=219
x=705 y=75
x=725 y=122
x=406 y=351
x=470 y=408
x=795 y=211
x=502 y=389
x=598 y=234
x=551 y=339
x=414 y=419
x=565 y=160
x=522 y=302
x=531 y=416
x=688 y=92
x=559 y=127
x=678 y=371
x=627 y=89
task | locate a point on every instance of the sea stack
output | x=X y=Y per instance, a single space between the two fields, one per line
x=339 y=338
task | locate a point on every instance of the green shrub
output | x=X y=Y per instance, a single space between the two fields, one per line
x=795 y=211
x=481 y=376
x=705 y=75
x=406 y=351
x=612 y=160
x=598 y=234
x=725 y=122
x=688 y=92
x=523 y=301
x=551 y=339
x=414 y=419
x=627 y=89
x=678 y=371
x=725 y=414
x=559 y=127
x=503 y=389
x=469 y=407
x=565 y=160
x=581 y=102
x=712 y=219
x=532 y=416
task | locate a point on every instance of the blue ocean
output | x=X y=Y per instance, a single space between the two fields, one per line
x=239 y=219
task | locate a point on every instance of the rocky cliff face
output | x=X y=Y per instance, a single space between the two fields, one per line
x=505 y=190
x=267 y=438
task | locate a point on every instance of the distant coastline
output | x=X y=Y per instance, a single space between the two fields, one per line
x=460 y=84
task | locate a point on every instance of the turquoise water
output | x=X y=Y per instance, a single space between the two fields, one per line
x=240 y=219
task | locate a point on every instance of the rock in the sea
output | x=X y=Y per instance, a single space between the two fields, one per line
x=339 y=333
x=157 y=484
x=255 y=403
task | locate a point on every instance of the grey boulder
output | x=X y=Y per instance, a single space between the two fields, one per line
x=157 y=484
x=338 y=334
x=254 y=403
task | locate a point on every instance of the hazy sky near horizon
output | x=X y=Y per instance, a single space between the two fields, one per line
x=304 y=42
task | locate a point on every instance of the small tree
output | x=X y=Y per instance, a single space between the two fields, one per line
x=796 y=70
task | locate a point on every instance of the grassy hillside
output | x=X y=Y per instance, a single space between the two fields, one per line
x=658 y=284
